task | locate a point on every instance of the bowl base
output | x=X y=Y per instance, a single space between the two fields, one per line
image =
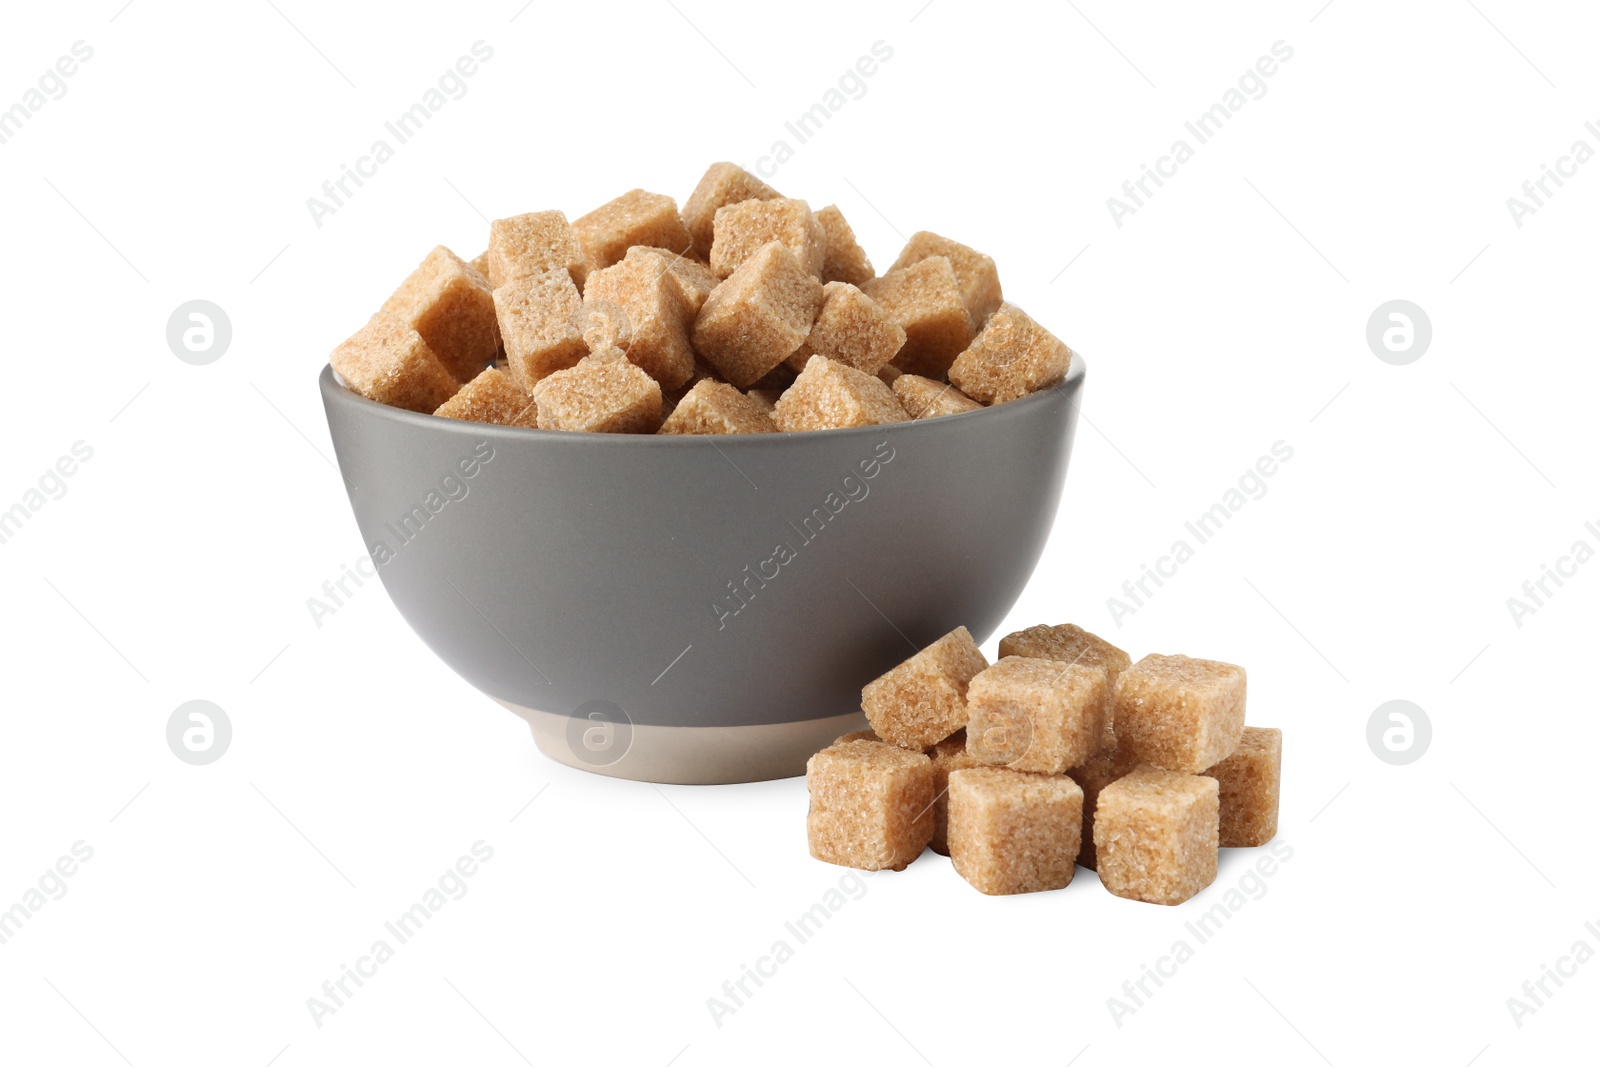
x=685 y=755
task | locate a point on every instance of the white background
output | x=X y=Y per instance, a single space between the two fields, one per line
x=1227 y=314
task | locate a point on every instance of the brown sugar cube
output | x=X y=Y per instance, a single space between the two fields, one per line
x=852 y=329
x=447 y=301
x=1179 y=713
x=976 y=273
x=1012 y=832
x=925 y=299
x=871 y=805
x=1094 y=776
x=533 y=244
x=717 y=407
x=845 y=261
x=753 y=320
x=1074 y=644
x=388 y=361
x=722 y=183
x=858 y=735
x=767 y=398
x=1248 y=781
x=692 y=277
x=491 y=397
x=604 y=327
x=742 y=229
x=924 y=699
x=599 y=396
x=1036 y=715
x=1011 y=357
x=538 y=322
x=480 y=263
x=924 y=398
x=653 y=302
x=636 y=217
x=1155 y=835
x=831 y=396
x=948 y=755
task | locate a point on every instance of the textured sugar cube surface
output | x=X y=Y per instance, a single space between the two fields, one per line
x=1155 y=835
x=831 y=396
x=722 y=183
x=693 y=278
x=925 y=299
x=388 y=361
x=948 y=755
x=1012 y=832
x=924 y=699
x=767 y=398
x=975 y=272
x=846 y=260
x=604 y=327
x=717 y=407
x=1073 y=644
x=1180 y=713
x=491 y=397
x=871 y=805
x=532 y=244
x=857 y=735
x=1036 y=715
x=1094 y=776
x=1011 y=357
x=636 y=217
x=539 y=323
x=850 y=328
x=742 y=229
x=758 y=316
x=1249 y=782
x=599 y=396
x=924 y=398
x=446 y=300
x=657 y=315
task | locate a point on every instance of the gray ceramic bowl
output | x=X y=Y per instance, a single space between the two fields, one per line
x=698 y=609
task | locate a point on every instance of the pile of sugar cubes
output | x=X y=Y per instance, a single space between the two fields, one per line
x=1064 y=752
x=745 y=312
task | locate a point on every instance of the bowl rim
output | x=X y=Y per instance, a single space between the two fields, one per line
x=334 y=389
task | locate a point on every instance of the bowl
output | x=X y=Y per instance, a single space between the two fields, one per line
x=699 y=609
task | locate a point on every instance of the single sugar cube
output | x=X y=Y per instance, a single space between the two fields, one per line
x=924 y=398
x=447 y=301
x=636 y=217
x=850 y=328
x=831 y=396
x=717 y=407
x=599 y=396
x=538 y=316
x=491 y=397
x=1093 y=777
x=742 y=229
x=388 y=361
x=1036 y=715
x=692 y=277
x=1011 y=357
x=1073 y=644
x=924 y=699
x=722 y=183
x=1179 y=713
x=1012 y=832
x=948 y=755
x=925 y=299
x=753 y=320
x=1155 y=835
x=846 y=261
x=976 y=273
x=532 y=244
x=659 y=318
x=1248 y=782
x=871 y=805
